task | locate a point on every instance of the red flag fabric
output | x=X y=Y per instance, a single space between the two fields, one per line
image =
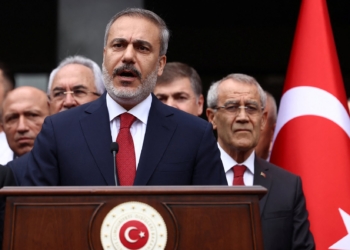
x=312 y=136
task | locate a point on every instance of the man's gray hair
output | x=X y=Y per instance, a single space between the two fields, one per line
x=149 y=15
x=100 y=87
x=212 y=98
x=175 y=70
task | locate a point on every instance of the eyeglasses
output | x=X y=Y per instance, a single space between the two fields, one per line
x=77 y=94
x=250 y=109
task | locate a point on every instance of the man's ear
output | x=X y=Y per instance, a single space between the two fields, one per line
x=200 y=105
x=211 y=117
x=263 y=120
x=48 y=104
x=162 y=62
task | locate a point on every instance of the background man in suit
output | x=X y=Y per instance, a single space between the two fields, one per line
x=263 y=149
x=23 y=112
x=7 y=83
x=76 y=80
x=166 y=146
x=180 y=87
x=236 y=110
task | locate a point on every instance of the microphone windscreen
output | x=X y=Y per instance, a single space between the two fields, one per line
x=114 y=147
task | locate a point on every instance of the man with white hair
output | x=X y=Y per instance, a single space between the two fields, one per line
x=76 y=80
x=236 y=108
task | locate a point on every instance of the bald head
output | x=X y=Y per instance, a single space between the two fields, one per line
x=23 y=112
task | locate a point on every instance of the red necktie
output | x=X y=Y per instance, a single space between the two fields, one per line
x=238 y=171
x=126 y=161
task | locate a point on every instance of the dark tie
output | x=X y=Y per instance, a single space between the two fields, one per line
x=238 y=172
x=126 y=160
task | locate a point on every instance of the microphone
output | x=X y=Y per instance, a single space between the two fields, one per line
x=114 y=151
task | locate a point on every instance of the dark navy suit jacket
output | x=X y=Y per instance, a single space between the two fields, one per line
x=73 y=148
x=284 y=218
x=18 y=166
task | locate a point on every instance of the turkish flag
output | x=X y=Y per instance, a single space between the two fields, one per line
x=312 y=136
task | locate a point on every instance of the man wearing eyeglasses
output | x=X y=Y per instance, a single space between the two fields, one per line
x=236 y=109
x=76 y=80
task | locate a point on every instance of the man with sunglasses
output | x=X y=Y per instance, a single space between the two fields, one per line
x=236 y=109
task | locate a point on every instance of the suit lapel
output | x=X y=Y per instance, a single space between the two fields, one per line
x=263 y=178
x=160 y=129
x=97 y=132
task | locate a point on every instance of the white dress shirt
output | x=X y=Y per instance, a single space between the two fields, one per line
x=138 y=128
x=228 y=163
x=6 y=153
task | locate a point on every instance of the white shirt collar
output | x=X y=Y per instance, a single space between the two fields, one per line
x=229 y=162
x=140 y=111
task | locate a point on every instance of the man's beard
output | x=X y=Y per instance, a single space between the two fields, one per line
x=130 y=96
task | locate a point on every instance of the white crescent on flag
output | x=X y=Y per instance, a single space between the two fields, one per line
x=311 y=101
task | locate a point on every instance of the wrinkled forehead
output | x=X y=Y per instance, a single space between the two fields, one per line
x=135 y=27
x=237 y=91
x=178 y=84
x=20 y=102
x=73 y=75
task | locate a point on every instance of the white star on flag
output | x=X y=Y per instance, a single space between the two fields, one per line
x=344 y=243
x=142 y=234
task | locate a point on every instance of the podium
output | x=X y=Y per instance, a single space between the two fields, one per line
x=194 y=217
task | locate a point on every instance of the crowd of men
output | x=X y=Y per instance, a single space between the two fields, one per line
x=150 y=108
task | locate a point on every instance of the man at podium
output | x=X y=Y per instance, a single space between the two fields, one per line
x=236 y=109
x=157 y=144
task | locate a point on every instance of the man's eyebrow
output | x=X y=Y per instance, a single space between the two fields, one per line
x=80 y=86
x=161 y=95
x=58 y=89
x=232 y=102
x=252 y=102
x=142 y=42
x=118 y=40
x=32 y=111
x=181 y=93
x=238 y=102
x=11 y=115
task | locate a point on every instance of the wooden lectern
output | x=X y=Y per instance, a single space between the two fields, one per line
x=196 y=217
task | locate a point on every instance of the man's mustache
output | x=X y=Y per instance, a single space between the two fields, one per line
x=128 y=67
